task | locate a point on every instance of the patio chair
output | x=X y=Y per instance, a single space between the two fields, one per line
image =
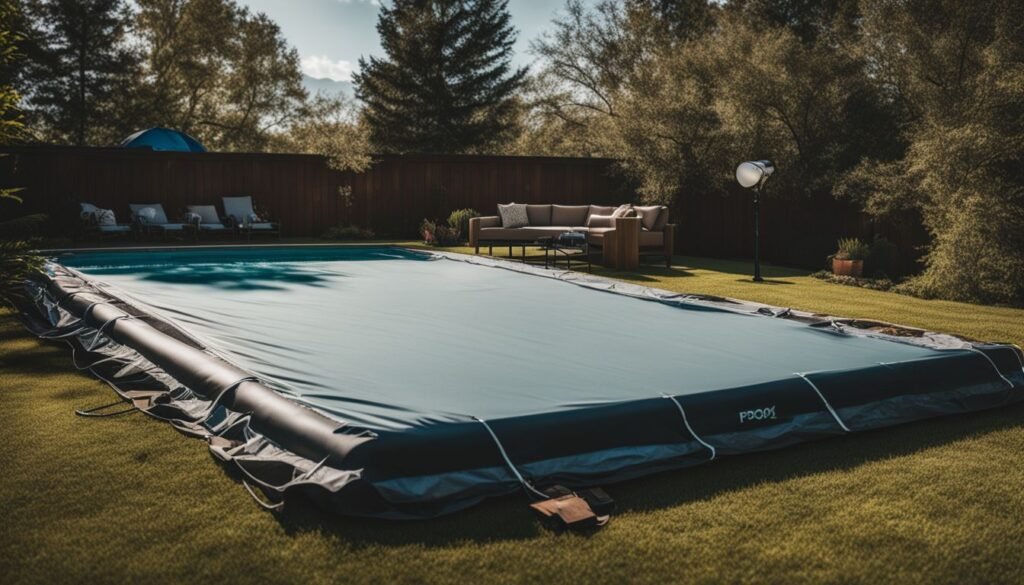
x=101 y=223
x=204 y=219
x=151 y=219
x=245 y=220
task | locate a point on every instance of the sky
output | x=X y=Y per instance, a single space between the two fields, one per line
x=331 y=35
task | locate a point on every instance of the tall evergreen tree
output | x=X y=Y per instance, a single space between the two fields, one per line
x=447 y=83
x=78 y=59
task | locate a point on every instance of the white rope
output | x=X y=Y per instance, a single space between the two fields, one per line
x=688 y=427
x=994 y=366
x=835 y=414
x=1019 y=353
x=504 y=455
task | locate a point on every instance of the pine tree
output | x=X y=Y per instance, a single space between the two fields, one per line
x=446 y=84
x=78 y=61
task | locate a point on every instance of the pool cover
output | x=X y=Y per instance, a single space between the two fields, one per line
x=388 y=382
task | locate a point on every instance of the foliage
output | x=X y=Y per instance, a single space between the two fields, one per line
x=852 y=249
x=17 y=262
x=436 y=233
x=217 y=71
x=458 y=221
x=883 y=284
x=955 y=71
x=447 y=81
x=883 y=259
x=348 y=232
x=79 y=65
x=897 y=106
x=330 y=126
x=25 y=227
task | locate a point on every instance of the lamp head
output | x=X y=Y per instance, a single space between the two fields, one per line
x=752 y=173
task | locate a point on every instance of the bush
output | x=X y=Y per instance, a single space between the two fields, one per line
x=347 y=232
x=17 y=262
x=22 y=228
x=883 y=259
x=459 y=222
x=436 y=233
x=852 y=249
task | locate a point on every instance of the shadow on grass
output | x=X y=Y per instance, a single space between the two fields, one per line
x=509 y=519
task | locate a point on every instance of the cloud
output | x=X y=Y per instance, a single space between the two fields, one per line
x=321 y=66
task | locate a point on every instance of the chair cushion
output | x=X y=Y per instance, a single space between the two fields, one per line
x=599 y=221
x=659 y=226
x=570 y=215
x=539 y=214
x=650 y=239
x=523 y=234
x=601 y=210
x=159 y=217
x=238 y=208
x=513 y=215
x=206 y=213
x=212 y=227
x=648 y=215
x=114 y=229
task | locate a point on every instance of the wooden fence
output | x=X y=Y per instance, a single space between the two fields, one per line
x=397 y=192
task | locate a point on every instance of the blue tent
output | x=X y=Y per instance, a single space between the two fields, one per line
x=163 y=139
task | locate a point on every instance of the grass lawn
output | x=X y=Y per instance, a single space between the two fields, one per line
x=128 y=499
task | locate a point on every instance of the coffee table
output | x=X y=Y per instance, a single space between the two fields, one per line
x=567 y=244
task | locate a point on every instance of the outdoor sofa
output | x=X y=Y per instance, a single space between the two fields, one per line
x=599 y=222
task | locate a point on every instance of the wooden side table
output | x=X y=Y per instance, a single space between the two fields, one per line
x=621 y=249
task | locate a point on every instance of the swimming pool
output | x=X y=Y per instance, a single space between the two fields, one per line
x=389 y=382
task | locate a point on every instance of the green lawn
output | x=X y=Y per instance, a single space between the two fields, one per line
x=128 y=499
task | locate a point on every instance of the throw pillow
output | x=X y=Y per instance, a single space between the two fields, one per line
x=659 y=226
x=104 y=217
x=648 y=215
x=513 y=215
x=622 y=210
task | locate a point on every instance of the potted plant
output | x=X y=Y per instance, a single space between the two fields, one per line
x=849 y=259
x=427 y=229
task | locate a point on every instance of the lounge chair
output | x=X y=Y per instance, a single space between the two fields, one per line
x=102 y=223
x=245 y=220
x=150 y=218
x=204 y=219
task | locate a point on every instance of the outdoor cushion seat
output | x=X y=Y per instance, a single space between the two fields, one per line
x=242 y=211
x=523 y=234
x=487 y=231
x=114 y=229
x=649 y=239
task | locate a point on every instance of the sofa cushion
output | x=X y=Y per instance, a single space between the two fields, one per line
x=659 y=226
x=523 y=234
x=571 y=215
x=539 y=214
x=650 y=239
x=648 y=215
x=605 y=221
x=513 y=215
x=601 y=210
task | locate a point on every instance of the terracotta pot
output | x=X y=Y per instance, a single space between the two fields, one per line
x=847 y=267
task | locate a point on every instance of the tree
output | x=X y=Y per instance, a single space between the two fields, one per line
x=330 y=126
x=79 y=61
x=446 y=84
x=218 y=72
x=955 y=71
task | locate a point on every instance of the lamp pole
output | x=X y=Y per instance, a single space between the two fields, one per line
x=757 y=232
x=752 y=175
